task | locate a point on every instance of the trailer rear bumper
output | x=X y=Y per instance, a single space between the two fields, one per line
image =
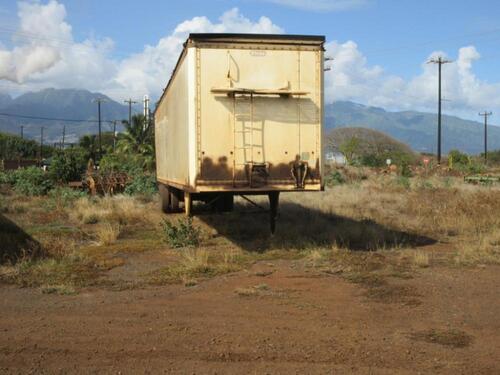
x=227 y=187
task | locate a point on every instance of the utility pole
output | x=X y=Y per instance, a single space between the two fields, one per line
x=130 y=102
x=63 y=135
x=485 y=115
x=99 y=101
x=22 y=131
x=440 y=61
x=146 y=112
x=41 y=143
x=114 y=135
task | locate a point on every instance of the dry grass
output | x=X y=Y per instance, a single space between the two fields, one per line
x=421 y=259
x=107 y=233
x=485 y=250
x=246 y=292
x=350 y=230
x=122 y=209
x=200 y=263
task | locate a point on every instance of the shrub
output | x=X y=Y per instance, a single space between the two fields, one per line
x=131 y=164
x=142 y=184
x=493 y=156
x=182 y=234
x=334 y=178
x=405 y=169
x=373 y=160
x=457 y=157
x=7 y=177
x=65 y=196
x=68 y=165
x=32 y=181
x=403 y=182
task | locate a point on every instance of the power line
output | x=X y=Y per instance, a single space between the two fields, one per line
x=440 y=61
x=130 y=102
x=48 y=118
x=485 y=115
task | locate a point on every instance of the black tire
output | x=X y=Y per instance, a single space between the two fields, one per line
x=165 y=198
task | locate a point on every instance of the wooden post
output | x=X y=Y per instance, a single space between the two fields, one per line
x=187 y=203
x=273 y=209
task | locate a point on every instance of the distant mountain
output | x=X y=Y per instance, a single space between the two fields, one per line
x=5 y=100
x=417 y=129
x=371 y=142
x=60 y=104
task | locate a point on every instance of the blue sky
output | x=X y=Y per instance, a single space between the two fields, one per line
x=379 y=45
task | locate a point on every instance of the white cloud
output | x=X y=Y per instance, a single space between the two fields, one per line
x=149 y=70
x=352 y=78
x=45 y=54
x=322 y=5
x=45 y=26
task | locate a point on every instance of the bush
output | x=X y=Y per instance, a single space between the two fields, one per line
x=142 y=184
x=334 y=178
x=68 y=165
x=373 y=160
x=493 y=156
x=473 y=167
x=7 y=177
x=131 y=164
x=32 y=181
x=182 y=234
x=457 y=157
x=405 y=169
x=404 y=182
x=65 y=196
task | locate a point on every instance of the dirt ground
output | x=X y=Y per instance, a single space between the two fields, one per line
x=378 y=275
x=276 y=317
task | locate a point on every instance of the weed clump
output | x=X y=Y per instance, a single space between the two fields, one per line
x=108 y=233
x=182 y=234
x=31 y=181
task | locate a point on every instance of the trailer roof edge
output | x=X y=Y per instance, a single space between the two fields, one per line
x=244 y=38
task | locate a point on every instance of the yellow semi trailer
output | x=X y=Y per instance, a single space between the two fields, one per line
x=242 y=114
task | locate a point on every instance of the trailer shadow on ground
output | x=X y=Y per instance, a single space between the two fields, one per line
x=15 y=243
x=300 y=227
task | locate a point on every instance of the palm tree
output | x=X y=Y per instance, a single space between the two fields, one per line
x=138 y=138
x=90 y=144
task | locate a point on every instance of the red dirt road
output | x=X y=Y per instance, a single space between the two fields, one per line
x=302 y=322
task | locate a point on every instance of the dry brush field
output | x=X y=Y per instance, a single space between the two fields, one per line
x=380 y=274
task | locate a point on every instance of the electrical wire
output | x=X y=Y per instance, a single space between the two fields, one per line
x=51 y=118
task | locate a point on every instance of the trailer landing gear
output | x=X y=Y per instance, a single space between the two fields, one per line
x=273 y=209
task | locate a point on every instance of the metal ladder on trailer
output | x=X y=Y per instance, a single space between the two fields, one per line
x=245 y=135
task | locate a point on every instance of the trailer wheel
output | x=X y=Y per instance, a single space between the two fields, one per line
x=165 y=198
x=273 y=209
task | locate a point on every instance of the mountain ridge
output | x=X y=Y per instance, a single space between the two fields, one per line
x=417 y=129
